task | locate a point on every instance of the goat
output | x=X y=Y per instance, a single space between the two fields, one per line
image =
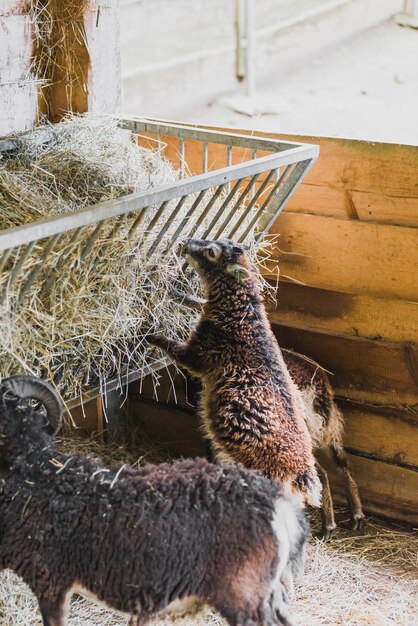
x=252 y=411
x=138 y=540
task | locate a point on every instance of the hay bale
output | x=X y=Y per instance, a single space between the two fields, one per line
x=86 y=316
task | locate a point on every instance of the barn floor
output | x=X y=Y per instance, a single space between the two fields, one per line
x=352 y=580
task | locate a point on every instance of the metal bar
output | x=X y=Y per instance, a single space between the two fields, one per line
x=33 y=274
x=157 y=216
x=92 y=239
x=5 y=258
x=187 y=217
x=206 y=210
x=166 y=226
x=221 y=209
x=205 y=157
x=266 y=202
x=16 y=270
x=211 y=136
x=116 y=382
x=126 y=204
x=284 y=195
x=241 y=216
x=64 y=254
x=137 y=222
x=228 y=163
x=250 y=46
x=182 y=162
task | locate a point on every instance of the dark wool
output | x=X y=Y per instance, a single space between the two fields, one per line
x=252 y=411
x=137 y=539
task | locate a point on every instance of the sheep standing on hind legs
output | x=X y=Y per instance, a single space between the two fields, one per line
x=252 y=411
x=139 y=540
x=235 y=311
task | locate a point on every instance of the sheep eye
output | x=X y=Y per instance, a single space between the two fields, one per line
x=211 y=252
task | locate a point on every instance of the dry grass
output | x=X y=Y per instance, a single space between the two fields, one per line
x=88 y=312
x=350 y=581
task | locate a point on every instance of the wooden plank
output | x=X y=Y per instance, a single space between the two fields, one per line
x=385 y=489
x=18 y=92
x=363 y=370
x=348 y=255
x=347 y=171
x=174 y=429
x=388 y=434
x=351 y=314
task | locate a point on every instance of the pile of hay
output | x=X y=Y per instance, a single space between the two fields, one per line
x=350 y=581
x=88 y=312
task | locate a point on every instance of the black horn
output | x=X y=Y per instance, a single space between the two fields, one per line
x=29 y=387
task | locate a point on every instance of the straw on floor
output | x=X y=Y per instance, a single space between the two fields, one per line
x=351 y=581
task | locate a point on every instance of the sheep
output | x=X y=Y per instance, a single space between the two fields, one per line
x=140 y=540
x=322 y=415
x=326 y=425
x=251 y=410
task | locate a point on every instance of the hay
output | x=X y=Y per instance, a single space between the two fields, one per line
x=87 y=315
x=350 y=581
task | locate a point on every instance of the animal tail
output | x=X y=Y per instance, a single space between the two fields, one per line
x=309 y=485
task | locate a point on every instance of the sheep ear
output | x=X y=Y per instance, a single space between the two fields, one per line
x=239 y=272
x=240 y=247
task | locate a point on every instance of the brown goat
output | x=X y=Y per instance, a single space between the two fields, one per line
x=252 y=411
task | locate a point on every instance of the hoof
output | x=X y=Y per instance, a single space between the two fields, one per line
x=358 y=524
x=326 y=533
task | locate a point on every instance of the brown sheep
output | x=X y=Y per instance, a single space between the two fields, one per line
x=252 y=412
x=326 y=426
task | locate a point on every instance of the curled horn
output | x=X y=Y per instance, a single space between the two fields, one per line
x=26 y=387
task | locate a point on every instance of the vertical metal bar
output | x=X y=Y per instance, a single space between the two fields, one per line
x=5 y=258
x=92 y=240
x=182 y=161
x=138 y=221
x=16 y=270
x=33 y=274
x=205 y=157
x=250 y=47
x=266 y=202
x=241 y=216
x=188 y=215
x=206 y=210
x=228 y=163
x=240 y=39
x=286 y=192
x=254 y=156
x=221 y=209
x=166 y=226
x=64 y=254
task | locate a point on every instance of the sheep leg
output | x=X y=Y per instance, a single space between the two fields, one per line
x=54 y=612
x=351 y=489
x=192 y=302
x=187 y=355
x=327 y=508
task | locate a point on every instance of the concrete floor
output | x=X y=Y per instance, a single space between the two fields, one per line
x=366 y=88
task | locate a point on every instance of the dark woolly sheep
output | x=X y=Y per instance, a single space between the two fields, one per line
x=326 y=426
x=138 y=540
x=252 y=411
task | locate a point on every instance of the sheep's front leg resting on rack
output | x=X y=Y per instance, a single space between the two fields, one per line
x=185 y=354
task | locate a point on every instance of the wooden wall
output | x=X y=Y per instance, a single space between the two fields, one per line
x=348 y=297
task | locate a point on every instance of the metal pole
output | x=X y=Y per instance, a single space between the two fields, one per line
x=245 y=29
x=250 y=48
